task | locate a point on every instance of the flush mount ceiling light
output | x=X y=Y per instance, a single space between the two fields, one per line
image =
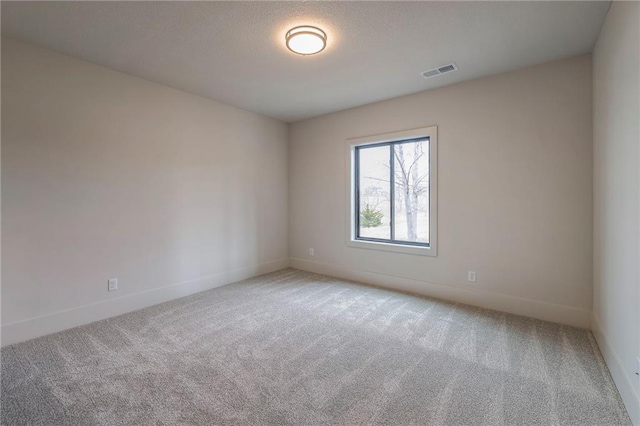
x=306 y=40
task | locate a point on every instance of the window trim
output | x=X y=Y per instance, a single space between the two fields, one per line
x=352 y=221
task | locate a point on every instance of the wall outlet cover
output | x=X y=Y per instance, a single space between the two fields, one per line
x=112 y=284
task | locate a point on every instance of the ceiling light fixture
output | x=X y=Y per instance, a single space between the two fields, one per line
x=306 y=40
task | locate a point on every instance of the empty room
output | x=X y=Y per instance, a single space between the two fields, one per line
x=320 y=213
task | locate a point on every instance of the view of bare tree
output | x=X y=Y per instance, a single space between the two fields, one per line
x=411 y=182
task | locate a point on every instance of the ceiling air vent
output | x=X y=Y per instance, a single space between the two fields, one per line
x=440 y=70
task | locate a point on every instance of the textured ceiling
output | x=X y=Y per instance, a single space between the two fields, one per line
x=234 y=52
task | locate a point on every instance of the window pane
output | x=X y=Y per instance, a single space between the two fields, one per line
x=374 y=206
x=411 y=212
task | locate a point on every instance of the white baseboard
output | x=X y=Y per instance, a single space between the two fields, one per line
x=497 y=301
x=40 y=326
x=623 y=381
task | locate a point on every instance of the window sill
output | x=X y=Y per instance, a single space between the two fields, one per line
x=395 y=248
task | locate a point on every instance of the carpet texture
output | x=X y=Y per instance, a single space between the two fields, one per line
x=298 y=348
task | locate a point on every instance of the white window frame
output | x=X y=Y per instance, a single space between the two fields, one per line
x=351 y=144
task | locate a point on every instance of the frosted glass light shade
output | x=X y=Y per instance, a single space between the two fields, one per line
x=306 y=40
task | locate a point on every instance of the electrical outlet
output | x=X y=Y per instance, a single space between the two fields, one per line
x=112 y=284
x=471 y=276
x=311 y=252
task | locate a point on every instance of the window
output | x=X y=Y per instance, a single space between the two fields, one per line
x=393 y=192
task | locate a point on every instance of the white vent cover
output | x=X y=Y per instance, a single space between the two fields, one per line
x=440 y=70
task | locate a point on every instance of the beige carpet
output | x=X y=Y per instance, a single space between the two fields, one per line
x=298 y=348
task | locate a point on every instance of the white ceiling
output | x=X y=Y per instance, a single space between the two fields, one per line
x=234 y=52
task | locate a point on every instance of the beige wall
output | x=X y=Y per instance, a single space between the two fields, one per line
x=107 y=175
x=514 y=196
x=616 y=119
